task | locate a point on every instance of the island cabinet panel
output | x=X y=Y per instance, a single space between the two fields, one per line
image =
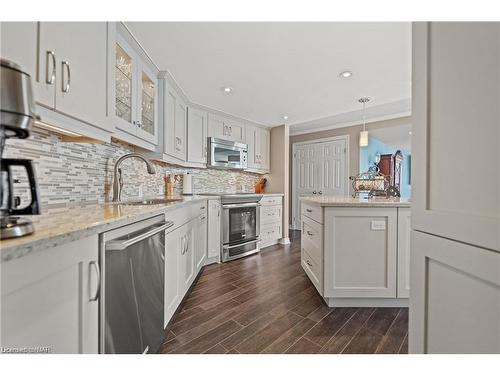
x=312 y=252
x=455 y=297
x=360 y=250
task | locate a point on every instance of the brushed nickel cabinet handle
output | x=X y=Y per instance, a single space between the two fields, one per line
x=65 y=85
x=309 y=210
x=309 y=263
x=50 y=80
x=309 y=233
x=98 y=288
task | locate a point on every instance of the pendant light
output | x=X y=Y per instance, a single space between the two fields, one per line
x=363 y=135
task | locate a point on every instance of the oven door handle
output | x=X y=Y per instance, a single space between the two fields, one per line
x=240 y=244
x=123 y=244
x=238 y=205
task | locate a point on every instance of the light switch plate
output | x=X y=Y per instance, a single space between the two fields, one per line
x=378 y=225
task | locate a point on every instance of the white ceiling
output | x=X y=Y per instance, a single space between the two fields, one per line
x=395 y=136
x=283 y=68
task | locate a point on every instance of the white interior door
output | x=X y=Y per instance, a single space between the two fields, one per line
x=320 y=168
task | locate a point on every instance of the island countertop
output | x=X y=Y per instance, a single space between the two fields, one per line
x=335 y=201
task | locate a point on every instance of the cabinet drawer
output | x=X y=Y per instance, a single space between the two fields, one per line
x=312 y=239
x=312 y=212
x=270 y=231
x=270 y=214
x=313 y=270
x=271 y=201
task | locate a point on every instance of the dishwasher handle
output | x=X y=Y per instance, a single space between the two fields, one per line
x=123 y=244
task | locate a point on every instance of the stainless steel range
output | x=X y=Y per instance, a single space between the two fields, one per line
x=240 y=225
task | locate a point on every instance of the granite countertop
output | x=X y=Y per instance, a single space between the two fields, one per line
x=57 y=226
x=331 y=201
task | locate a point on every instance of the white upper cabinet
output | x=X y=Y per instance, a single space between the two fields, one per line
x=258 y=148
x=456 y=121
x=196 y=136
x=225 y=128
x=135 y=94
x=251 y=138
x=174 y=124
x=79 y=51
x=265 y=144
x=18 y=43
x=68 y=65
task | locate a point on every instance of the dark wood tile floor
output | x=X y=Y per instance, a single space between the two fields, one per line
x=265 y=304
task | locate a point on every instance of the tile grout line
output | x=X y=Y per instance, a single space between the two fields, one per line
x=348 y=320
x=355 y=334
x=388 y=329
x=401 y=345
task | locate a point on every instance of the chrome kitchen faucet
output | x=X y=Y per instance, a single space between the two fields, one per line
x=117 y=174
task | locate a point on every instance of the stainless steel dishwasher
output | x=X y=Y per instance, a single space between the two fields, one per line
x=132 y=258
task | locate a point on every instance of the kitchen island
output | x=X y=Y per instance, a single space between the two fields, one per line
x=356 y=251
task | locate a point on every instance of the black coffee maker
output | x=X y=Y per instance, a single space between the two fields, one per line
x=16 y=119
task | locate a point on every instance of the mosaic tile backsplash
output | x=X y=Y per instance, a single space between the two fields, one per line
x=72 y=173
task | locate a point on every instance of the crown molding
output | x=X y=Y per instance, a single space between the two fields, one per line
x=386 y=111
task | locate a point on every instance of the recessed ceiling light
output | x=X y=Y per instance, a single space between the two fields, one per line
x=227 y=89
x=409 y=133
x=284 y=117
x=345 y=74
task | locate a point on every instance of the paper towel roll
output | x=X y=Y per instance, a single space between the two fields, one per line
x=187 y=184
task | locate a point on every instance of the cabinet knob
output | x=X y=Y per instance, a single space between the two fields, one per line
x=309 y=263
x=320 y=192
x=314 y=191
x=309 y=233
x=308 y=210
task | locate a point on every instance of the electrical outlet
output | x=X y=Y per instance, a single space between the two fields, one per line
x=378 y=225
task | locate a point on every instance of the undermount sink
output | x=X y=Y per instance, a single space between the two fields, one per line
x=145 y=202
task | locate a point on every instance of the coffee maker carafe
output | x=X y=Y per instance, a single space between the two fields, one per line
x=16 y=119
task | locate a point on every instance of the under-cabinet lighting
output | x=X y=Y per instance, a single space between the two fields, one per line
x=56 y=129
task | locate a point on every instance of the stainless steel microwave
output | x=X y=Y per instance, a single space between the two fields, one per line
x=226 y=154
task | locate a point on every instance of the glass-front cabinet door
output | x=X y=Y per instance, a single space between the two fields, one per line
x=148 y=123
x=123 y=85
x=136 y=93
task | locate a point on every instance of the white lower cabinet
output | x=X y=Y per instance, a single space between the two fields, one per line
x=185 y=253
x=360 y=252
x=455 y=298
x=186 y=259
x=357 y=256
x=214 y=231
x=200 y=241
x=172 y=290
x=50 y=299
x=312 y=252
x=271 y=220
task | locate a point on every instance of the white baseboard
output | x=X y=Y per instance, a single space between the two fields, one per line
x=284 y=241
